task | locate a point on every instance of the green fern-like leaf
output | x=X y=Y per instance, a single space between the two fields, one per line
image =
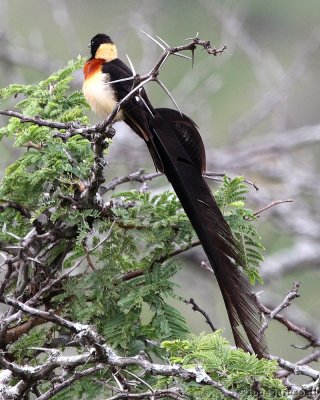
x=231 y=193
x=231 y=199
x=169 y=322
x=38 y=171
x=233 y=368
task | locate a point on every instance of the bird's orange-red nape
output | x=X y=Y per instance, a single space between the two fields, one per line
x=92 y=66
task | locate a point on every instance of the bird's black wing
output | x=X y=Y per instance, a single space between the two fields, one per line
x=188 y=135
x=134 y=109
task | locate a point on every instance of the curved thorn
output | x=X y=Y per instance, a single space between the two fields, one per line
x=135 y=89
x=146 y=105
x=152 y=38
x=193 y=38
x=165 y=43
x=168 y=47
x=169 y=94
x=182 y=55
x=164 y=60
x=131 y=65
x=121 y=80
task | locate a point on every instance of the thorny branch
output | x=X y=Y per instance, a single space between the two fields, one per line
x=85 y=131
x=99 y=132
x=137 y=176
x=99 y=353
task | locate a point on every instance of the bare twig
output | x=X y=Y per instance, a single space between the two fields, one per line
x=68 y=382
x=173 y=393
x=303 y=332
x=296 y=369
x=214 y=175
x=137 y=176
x=315 y=356
x=274 y=203
x=195 y=307
x=293 y=293
x=48 y=316
x=71 y=126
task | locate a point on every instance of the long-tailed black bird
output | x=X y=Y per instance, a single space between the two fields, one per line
x=177 y=150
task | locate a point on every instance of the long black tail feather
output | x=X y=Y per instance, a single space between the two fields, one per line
x=175 y=137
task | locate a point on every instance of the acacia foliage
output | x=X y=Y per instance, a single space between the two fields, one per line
x=108 y=257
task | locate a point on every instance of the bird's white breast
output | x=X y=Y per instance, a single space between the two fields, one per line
x=100 y=95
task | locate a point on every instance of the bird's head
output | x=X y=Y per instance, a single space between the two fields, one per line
x=102 y=47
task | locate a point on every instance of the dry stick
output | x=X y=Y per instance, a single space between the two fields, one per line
x=50 y=285
x=40 y=319
x=212 y=175
x=70 y=126
x=292 y=294
x=295 y=368
x=304 y=361
x=274 y=203
x=68 y=382
x=46 y=315
x=195 y=307
x=137 y=176
x=101 y=353
x=173 y=393
x=314 y=342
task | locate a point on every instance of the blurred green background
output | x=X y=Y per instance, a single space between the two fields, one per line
x=257 y=107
